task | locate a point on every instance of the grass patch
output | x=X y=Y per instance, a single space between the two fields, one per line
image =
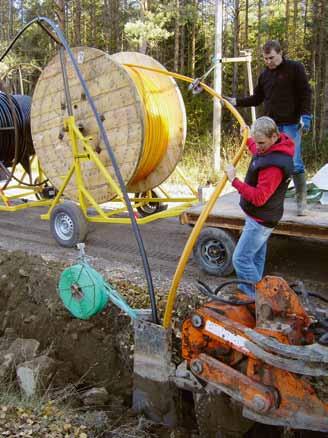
x=314 y=156
x=42 y=416
x=198 y=158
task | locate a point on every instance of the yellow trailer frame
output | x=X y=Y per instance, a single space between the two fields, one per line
x=85 y=199
x=9 y=193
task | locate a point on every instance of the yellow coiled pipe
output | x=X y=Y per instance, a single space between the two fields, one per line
x=158 y=120
x=210 y=204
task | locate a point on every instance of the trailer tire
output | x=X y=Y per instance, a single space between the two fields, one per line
x=213 y=251
x=152 y=207
x=68 y=224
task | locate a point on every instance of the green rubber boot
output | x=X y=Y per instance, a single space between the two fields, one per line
x=300 y=187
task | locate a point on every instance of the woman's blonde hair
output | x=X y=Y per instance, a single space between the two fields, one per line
x=264 y=126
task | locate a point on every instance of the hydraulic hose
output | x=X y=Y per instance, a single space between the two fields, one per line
x=206 y=290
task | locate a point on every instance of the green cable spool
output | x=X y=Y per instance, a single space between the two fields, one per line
x=83 y=291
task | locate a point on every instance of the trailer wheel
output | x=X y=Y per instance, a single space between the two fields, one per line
x=68 y=224
x=46 y=191
x=213 y=251
x=152 y=207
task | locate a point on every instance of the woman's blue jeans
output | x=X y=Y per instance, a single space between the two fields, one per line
x=249 y=256
x=295 y=133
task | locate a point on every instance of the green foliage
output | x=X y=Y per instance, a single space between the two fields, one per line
x=150 y=26
x=129 y=24
x=151 y=29
x=199 y=109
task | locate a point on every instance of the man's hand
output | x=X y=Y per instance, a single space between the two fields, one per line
x=231 y=100
x=230 y=172
x=305 y=123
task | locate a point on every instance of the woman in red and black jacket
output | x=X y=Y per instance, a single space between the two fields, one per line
x=262 y=196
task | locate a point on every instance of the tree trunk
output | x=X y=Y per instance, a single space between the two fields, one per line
x=246 y=25
x=259 y=30
x=235 y=47
x=295 y=14
x=93 y=27
x=324 y=73
x=318 y=54
x=143 y=10
x=107 y=25
x=22 y=12
x=115 y=24
x=77 y=23
x=10 y=19
x=177 y=37
x=2 y=21
x=306 y=7
x=193 y=40
x=60 y=13
x=287 y=25
x=182 y=41
x=246 y=39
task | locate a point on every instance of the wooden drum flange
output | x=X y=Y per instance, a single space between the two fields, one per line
x=122 y=110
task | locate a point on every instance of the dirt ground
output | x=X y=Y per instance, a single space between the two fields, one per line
x=30 y=305
x=99 y=352
x=94 y=353
x=113 y=247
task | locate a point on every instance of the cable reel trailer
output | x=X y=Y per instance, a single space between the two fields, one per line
x=143 y=114
x=144 y=118
x=102 y=126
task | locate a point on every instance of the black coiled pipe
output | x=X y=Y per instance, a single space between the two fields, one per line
x=16 y=144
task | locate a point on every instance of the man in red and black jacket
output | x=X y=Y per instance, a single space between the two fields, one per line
x=262 y=196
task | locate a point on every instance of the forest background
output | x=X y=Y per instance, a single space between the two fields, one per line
x=180 y=34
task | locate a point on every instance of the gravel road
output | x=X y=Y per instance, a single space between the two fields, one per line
x=114 y=247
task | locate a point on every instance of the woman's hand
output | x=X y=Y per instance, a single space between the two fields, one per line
x=243 y=129
x=230 y=172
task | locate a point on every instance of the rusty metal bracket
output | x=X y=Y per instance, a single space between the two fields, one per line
x=254 y=395
x=221 y=330
x=316 y=352
x=184 y=379
x=297 y=420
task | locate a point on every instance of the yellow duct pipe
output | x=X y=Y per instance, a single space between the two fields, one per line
x=210 y=204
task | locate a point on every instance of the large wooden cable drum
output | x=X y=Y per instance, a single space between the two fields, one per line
x=142 y=112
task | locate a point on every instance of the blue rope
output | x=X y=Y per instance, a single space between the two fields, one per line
x=116 y=298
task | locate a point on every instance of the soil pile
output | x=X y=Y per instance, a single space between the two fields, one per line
x=95 y=353
x=92 y=350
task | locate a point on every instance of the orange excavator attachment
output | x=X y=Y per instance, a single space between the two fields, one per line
x=264 y=355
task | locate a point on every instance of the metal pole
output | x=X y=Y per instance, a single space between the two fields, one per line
x=217 y=109
x=250 y=84
x=65 y=81
x=21 y=80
